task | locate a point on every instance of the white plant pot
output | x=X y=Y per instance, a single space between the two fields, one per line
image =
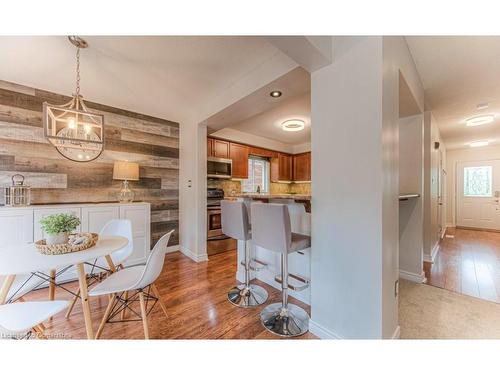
x=56 y=239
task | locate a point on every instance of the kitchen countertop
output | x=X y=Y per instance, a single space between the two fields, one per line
x=299 y=197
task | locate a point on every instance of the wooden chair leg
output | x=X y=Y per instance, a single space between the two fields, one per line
x=39 y=333
x=122 y=315
x=144 y=315
x=157 y=294
x=106 y=316
x=73 y=302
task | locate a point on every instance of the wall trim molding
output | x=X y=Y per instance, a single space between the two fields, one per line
x=432 y=257
x=397 y=333
x=410 y=276
x=322 y=332
x=198 y=258
x=173 y=249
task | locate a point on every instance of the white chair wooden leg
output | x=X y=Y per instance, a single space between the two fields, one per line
x=157 y=294
x=144 y=315
x=106 y=316
x=73 y=302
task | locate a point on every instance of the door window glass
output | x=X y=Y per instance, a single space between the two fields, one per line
x=477 y=181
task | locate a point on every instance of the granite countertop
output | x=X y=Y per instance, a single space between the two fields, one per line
x=300 y=197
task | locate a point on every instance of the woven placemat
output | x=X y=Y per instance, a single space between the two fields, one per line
x=90 y=240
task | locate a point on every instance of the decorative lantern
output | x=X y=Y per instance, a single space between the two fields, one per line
x=18 y=194
x=72 y=128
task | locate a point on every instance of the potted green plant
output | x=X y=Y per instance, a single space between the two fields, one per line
x=57 y=227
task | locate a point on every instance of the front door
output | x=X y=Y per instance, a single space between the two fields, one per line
x=478 y=194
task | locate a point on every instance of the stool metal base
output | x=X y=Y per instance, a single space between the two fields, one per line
x=242 y=296
x=287 y=322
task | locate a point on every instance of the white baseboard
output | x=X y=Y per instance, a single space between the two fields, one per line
x=410 y=276
x=196 y=257
x=173 y=249
x=397 y=333
x=432 y=257
x=322 y=332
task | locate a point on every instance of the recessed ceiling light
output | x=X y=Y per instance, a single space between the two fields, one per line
x=275 y=93
x=293 y=125
x=479 y=120
x=479 y=144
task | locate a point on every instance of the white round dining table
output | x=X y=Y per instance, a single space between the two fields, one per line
x=27 y=259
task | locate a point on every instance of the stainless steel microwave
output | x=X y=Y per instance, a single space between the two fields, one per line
x=219 y=167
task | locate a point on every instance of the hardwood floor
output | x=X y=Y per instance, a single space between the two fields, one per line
x=195 y=298
x=468 y=264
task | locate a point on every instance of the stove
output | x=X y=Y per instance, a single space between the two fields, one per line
x=216 y=240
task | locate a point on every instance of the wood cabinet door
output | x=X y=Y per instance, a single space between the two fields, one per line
x=285 y=167
x=220 y=149
x=239 y=156
x=302 y=167
x=210 y=145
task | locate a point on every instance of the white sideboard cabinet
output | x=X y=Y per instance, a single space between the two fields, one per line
x=21 y=225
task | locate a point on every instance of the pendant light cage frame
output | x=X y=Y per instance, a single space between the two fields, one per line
x=76 y=132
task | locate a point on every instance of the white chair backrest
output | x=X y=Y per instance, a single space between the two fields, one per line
x=271 y=227
x=234 y=220
x=120 y=227
x=155 y=261
x=300 y=221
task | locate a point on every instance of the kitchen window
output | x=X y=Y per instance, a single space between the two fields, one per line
x=258 y=176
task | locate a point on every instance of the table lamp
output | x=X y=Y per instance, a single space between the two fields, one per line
x=126 y=171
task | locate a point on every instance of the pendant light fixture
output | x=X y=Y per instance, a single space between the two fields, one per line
x=72 y=128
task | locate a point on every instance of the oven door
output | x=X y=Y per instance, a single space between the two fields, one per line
x=214 y=222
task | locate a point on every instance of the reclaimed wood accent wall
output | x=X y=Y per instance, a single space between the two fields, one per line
x=150 y=141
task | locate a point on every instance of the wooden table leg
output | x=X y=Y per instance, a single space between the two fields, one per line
x=82 y=279
x=4 y=291
x=110 y=263
x=52 y=285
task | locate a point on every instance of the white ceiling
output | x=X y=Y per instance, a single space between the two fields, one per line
x=164 y=76
x=458 y=73
x=260 y=114
x=268 y=124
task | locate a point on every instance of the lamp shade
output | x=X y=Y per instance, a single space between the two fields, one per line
x=124 y=170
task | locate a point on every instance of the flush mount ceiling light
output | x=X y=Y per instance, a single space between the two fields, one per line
x=275 y=93
x=479 y=144
x=479 y=120
x=293 y=125
x=75 y=132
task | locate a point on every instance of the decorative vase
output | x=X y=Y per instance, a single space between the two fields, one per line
x=57 y=239
x=126 y=195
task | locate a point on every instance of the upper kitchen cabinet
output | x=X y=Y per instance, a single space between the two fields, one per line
x=302 y=167
x=282 y=168
x=262 y=152
x=220 y=149
x=239 y=155
x=210 y=147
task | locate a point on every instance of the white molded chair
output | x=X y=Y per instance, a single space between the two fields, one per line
x=115 y=227
x=137 y=279
x=22 y=285
x=17 y=320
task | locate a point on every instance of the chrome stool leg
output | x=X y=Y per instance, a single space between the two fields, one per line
x=285 y=319
x=247 y=295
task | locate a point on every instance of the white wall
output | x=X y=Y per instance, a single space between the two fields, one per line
x=411 y=221
x=452 y=158
x=431 y=185
x=355 y=184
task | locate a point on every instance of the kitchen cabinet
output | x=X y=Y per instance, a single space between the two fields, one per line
x=263 y=153
x=217 y=148
x=239 y=155
x=302 y=167
x=282 y=168
x=220 y=149
x=210 y=147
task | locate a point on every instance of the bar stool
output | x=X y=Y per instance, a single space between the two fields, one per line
x=235 y=225
x=271 y=229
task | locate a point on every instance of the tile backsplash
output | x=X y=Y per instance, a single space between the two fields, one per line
x=231 y=187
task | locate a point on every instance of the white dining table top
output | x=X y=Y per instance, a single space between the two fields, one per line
x=26 y=258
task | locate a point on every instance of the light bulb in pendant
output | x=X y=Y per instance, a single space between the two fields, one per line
x=71 y=123
x=87 y=128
